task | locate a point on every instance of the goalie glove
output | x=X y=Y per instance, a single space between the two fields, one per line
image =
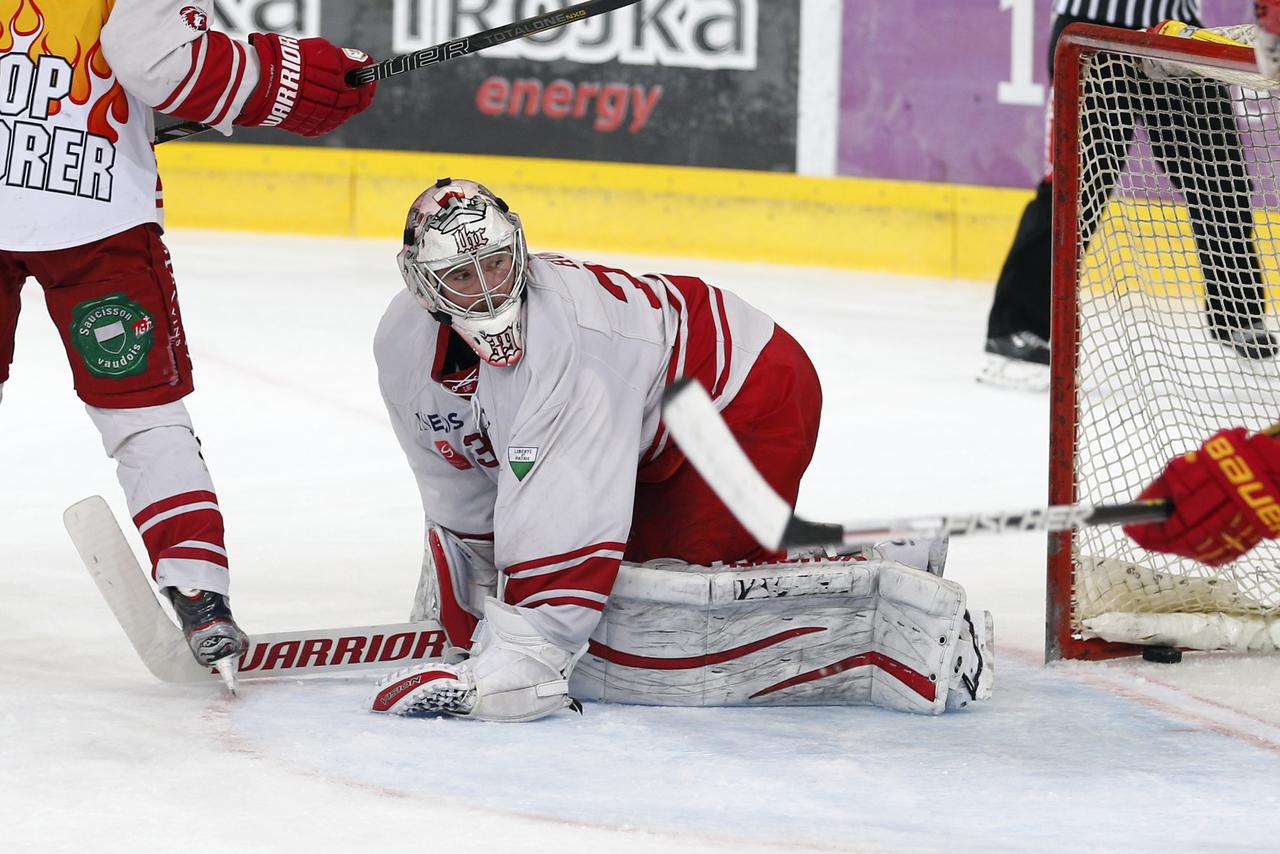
x=303 y=88
x=1225 y=496
x=513 y=674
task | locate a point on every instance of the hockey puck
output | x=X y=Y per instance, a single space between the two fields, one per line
x=1162 y=654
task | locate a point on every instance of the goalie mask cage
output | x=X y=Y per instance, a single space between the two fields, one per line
x=1167 y=183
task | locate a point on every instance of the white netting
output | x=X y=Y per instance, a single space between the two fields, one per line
x=1175 y=260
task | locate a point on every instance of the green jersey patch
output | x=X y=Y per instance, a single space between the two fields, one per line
x=521 y=460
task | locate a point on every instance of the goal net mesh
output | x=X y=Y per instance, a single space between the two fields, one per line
x=1179 y=187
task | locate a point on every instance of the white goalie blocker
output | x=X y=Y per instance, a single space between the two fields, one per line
x=839 y=631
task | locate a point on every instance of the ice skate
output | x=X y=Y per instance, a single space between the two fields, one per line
x=1251 y=340
x=1018 y=361
x=211 y=631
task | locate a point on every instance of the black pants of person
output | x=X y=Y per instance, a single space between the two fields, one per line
x=1195 y=141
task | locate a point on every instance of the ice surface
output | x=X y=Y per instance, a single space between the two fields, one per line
x=324 y=529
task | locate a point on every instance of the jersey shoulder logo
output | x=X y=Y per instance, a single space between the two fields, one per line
x=521 y=460
x=195 y=18
x=113 y=335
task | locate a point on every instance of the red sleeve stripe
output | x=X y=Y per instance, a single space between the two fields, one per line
x=563 y=597
x=592 y=579
x=724 y=343
x=564 y=565
x=184 y=88
x=237 y=74
x=181 y=500
x=702 y=349
x=217 y=71
x=564 y=557
x=571 y=599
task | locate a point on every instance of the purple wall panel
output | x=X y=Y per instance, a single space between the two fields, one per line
x=920 y=82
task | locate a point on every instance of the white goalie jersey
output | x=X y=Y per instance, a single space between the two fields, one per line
x=545 y=455
x=76 y=123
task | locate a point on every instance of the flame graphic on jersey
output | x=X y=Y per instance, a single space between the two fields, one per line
x=69 y=29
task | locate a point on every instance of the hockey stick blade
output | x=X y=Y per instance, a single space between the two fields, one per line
x=162 y=648
x=111 y=563
x=708 y=443
x=443 y=52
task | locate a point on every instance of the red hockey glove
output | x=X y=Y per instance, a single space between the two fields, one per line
x=1268 y=14
x=1226 y=499
x=302 y=89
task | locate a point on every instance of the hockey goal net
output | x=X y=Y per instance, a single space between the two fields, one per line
x=1167 y=192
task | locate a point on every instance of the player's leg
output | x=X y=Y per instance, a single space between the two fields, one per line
x=12 y=275
x=775 y=418
x=115 y=303
x=1204 y=158
x=1017 y=347
x=1018 y=327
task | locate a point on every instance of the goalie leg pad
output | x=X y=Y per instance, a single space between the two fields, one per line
x=458 y=574
x=822 y=632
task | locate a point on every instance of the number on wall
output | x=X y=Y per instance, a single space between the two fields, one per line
x=1021 y=89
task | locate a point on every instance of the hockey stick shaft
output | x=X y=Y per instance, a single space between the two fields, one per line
x=443 y=52
x=710 y=446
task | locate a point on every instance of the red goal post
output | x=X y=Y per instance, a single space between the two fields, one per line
x=1162 y=240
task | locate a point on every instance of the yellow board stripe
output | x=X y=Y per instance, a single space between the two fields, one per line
x=896 y=226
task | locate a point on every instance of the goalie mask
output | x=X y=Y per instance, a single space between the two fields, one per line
x=464 y=258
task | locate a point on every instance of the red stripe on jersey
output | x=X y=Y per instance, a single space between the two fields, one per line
x=164 y=504
x=566 y=556
x=917 y=682
x=193 y=553
x=706 y=350
x=569 y=600
x=196 y=47
x=229 y=93
x=648 y=662
x=725 y=343
x=593 y=575
x=215 y=74
x=705 y=357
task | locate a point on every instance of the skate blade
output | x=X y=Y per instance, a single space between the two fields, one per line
x=226 y=667
x=1003 y=372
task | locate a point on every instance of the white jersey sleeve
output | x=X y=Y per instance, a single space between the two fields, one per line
x=455 y=469
x=164 y=53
